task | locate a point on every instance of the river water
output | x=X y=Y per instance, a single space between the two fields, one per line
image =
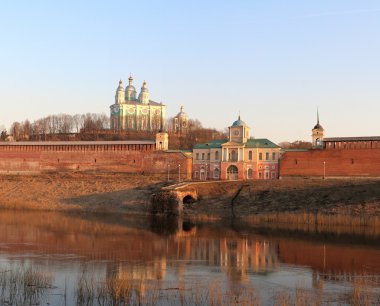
x=82 y=259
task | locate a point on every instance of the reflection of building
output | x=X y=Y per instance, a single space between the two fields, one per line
x=181 y=122
x=154 y=270
x=239 y=157
x=136 y=114
x=237 y=257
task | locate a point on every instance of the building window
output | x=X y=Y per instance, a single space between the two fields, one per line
x=250 y=155
x=267 y=155
x=216 y=173
x=203 y=156
x=273 y=175
x=208 y=156
x=217 y=155
x=196 y=174
x=266 y=175
x=260 y=156
x=250 y=173
x=274 y=155
x=197 y=156
x=233 y=155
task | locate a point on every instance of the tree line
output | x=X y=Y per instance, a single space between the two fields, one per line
x=92 y=126
x=57 y=124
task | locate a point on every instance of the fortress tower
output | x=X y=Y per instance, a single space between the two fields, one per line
x=317 y=135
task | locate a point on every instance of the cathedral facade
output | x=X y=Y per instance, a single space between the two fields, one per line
x=136 y=113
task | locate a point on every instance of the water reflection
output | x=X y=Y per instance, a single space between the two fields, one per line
x=168 y=252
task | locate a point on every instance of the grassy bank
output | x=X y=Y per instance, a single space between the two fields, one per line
x=96 y=192
x=292 y=201
x=311 y=202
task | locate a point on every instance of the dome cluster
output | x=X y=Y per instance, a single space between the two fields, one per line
x=130 y=93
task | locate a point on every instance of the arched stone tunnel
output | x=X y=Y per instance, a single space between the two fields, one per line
x=185 y=197
x=173 y=201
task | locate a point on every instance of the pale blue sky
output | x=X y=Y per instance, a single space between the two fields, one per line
x=275 y=61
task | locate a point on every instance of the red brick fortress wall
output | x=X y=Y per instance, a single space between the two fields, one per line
x=337 y=163
x=91 y=159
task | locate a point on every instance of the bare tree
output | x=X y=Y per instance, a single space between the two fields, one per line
x=4 y=134
x=78 y=122
x=25 y=129
x=67 y=123
x=195 y=124
x=298 y=144
x=15 y=130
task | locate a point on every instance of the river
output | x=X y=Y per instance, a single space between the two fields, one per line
x=51 y=258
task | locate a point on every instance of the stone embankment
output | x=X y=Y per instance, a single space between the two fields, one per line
x=132 y=194
x=245 y=198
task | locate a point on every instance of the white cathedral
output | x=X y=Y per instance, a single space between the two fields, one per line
x=136 y=114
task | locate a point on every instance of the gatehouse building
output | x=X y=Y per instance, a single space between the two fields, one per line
x=237 y=158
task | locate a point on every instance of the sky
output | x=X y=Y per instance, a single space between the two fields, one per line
x=275 y=62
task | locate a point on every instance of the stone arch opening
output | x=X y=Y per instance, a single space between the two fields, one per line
x=232 y=172
x=188 y=200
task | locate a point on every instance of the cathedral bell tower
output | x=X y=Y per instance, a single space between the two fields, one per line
x=119 y=97
x=317 y=135
x=130 y=90
x=144 y=94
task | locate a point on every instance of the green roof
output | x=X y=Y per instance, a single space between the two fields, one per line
x=260 y=143
x=213 y=144
x=251 y=143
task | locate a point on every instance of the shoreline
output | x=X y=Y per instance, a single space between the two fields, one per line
x=279 y=201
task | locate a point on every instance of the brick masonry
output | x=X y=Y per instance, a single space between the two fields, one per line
x=148 y=162
x=338 y=163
